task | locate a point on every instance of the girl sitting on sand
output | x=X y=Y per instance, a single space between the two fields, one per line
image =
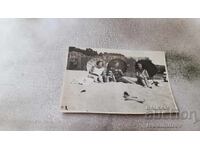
x=97 y=72
x=142 y=76
x=110 y=76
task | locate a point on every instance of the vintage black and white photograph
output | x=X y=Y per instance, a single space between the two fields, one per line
x=116 y=81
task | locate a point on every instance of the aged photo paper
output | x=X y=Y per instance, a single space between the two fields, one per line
x=116 y=82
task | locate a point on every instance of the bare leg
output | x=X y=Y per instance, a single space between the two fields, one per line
x=147 y=83
x=143 y=82
x=95 y=78
x=100 y=79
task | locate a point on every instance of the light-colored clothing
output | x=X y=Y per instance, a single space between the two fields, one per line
x=96 y=74
x=97 y=71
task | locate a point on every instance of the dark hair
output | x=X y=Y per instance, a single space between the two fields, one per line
x=99 y=62
x=136 y=65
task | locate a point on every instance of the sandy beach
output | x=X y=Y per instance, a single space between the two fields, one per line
x=108 y=97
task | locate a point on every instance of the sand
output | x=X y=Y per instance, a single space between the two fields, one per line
x=108 y=97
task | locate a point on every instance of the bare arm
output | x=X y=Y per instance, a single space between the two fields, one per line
x=114 y=78
x=121 y=72
x=146 y=74
x=91 y=71
x=139 y=75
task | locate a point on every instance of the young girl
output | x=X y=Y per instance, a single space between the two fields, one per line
x=142 y=76
x=97 y=72
x=110 y=76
